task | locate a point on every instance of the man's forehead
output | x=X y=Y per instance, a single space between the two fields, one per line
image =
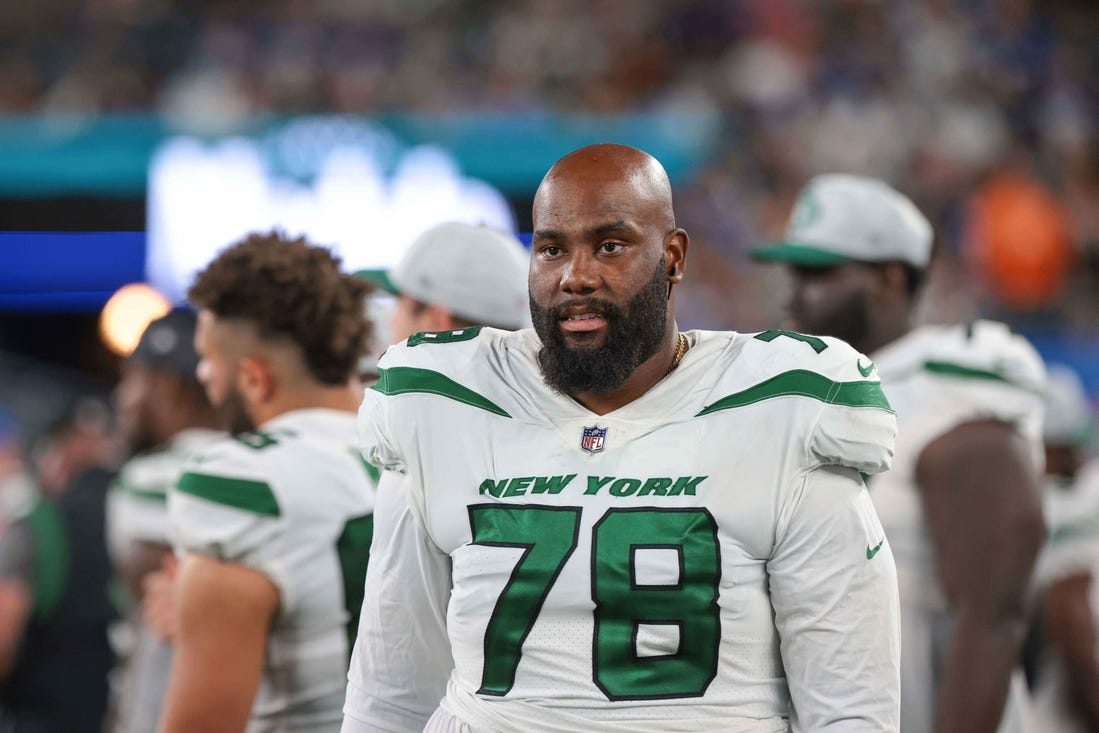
x=593 y=200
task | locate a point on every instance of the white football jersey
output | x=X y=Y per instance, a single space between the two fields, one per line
x=938 y=378
x=703 y=558
x=137 y=504
x=1072 y=516
x=293 y=501
x=137 y=512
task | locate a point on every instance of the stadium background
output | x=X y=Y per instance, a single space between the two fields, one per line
x=984 y=111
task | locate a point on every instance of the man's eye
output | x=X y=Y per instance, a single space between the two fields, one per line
x=551 y=250
x=610 y=246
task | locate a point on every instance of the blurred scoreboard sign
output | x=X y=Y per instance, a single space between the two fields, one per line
x=67 y=271
x=345 y=183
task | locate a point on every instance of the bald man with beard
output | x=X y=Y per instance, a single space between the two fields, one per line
x=604 y=523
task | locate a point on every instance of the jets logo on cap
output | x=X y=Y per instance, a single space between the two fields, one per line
x=594 y=439
x=806 y=211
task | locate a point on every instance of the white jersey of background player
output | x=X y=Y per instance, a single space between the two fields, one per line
x=294 y=502
x=939 y=378
x=137 y=526
x=164 y=418
x=673 y=537
x=273 y=526
x=961 y=505
x=1066 y=685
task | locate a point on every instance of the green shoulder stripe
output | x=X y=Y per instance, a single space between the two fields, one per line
x=251 y=496
x=949 y=369
x=51 y=557
x=802 y=383
x=150 y=493
x=403 y=380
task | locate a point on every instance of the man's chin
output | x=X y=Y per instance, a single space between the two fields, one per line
x=583 y=340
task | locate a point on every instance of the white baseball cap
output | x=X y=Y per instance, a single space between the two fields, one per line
x=842 y=218
x=477 y=273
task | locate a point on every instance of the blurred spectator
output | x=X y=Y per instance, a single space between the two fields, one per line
x=1018 y=238
x=164 y=418
x=54 y=577
x=16 y=487
x=931 y=95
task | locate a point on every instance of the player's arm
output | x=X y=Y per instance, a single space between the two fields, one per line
x=224 y=611
x=982 y=502
x=401 y=662
x=834 y=590
x=1069 y=625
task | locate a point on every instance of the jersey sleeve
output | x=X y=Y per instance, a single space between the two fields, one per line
x=834 y=590
x=225 y=507
x=856 y=426
x=1072 y=518
x=431 y=365
x=987 y=373
x=375 y=442
x=844 y=413
x=401 y=661
x=984 y=372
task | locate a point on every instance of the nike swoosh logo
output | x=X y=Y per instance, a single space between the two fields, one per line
x=870 y=553
x=865 y=370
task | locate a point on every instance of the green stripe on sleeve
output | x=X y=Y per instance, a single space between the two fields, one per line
x=150 y=493
x=405 y=380
x=957 y=370
x=251 y=496
x=804 y=383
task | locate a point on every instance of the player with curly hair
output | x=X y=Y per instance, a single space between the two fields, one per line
x=272 y=525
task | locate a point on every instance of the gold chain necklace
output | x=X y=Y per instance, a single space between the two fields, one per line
x=681 y=347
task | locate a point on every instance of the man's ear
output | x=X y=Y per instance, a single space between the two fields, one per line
x=675 y=255
x=255 y=380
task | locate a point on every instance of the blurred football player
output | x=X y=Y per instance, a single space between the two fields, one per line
x=274 y=524
x=1067 y=684
x=163 y=418
x=962 y=504
x=454 y=276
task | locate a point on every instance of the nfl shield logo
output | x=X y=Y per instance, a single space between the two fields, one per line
x=593 y=439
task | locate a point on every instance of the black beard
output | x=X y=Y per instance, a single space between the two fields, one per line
x=848 y=321
x=634 y=334
x=233 y=416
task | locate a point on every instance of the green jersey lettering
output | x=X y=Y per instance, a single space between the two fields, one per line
x=686 y=485
x=625 y=487
x=518 y=486
x=494 y=488
x=444 y=337
x=595 y=483
x=817 y=344
x=551 y=484
x=658 y=486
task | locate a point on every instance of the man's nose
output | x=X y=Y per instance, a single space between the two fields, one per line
x=581 y=275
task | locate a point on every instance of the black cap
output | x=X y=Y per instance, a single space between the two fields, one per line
x=168 y=344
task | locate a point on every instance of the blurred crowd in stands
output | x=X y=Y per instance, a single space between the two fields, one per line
x=983 y=110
